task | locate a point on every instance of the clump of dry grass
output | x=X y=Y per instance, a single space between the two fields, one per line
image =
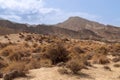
x=63 y=71
x=14 y=52
x=100 y=59
x=2 y=64
x=116 y=59
x=15 y=65
x=102 y=50
x=78 y=50
x=21 y=35
x=107 y=68
x=100 y=56
x=28 y=38
x=37 y=49
x=115 y=49
x=6 y=36
x=33 y=64
x=116 y=65
x=75 y=65
x=57 y=53
x=3 y=45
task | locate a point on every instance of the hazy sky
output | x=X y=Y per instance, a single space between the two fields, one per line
x=54 y=11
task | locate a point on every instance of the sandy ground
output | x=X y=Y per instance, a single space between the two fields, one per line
x=96 y=73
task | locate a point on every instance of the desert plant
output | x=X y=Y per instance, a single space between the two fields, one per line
x=15 y=65
x=117 y=59
x=107 y=68
x=100 y=59
x=78 y=50
x=28 y=38
x=15 y=52
x=57 y=53
x=37 y=50
x=5 y=36
x=3 y=45
x=3 y=64
x=33 y=64
x=13 y=74
x=63 y=71
x=102 y=50
x=74 y=65
x=116 y=65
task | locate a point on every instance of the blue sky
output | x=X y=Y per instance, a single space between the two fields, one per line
x=54 y=11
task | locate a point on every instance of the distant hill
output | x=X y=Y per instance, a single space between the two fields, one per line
x=74 y=27
x=8 y=27
x=106 y=32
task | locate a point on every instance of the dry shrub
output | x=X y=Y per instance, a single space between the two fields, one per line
x=25 y=44
x=107 y=68
x=117 y=59
x=6 y=51
x=102 y=50
x=37 y=49
x=3 y=64
x=63 y=71
x=1 y=75
x=3 y=45
x=78 y=50
x=116 y=65
x=100 y=59
x=75 y=65
x=6 y=36
x=35 y=45
x=13 y=74
x=116 y=47
x=45 y=63
x=21 y=35
x=57 y=53
x=15 y=52
x=15 y=65
x=28 y=38
x=33 y=64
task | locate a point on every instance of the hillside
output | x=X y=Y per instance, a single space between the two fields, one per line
x=74 y=27
x=107 y=32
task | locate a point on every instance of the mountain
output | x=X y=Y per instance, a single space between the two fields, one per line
x=9 y=27
x=74 y=27
x=106 y=32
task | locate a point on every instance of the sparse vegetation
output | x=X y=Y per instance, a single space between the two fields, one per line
x=73 y=55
